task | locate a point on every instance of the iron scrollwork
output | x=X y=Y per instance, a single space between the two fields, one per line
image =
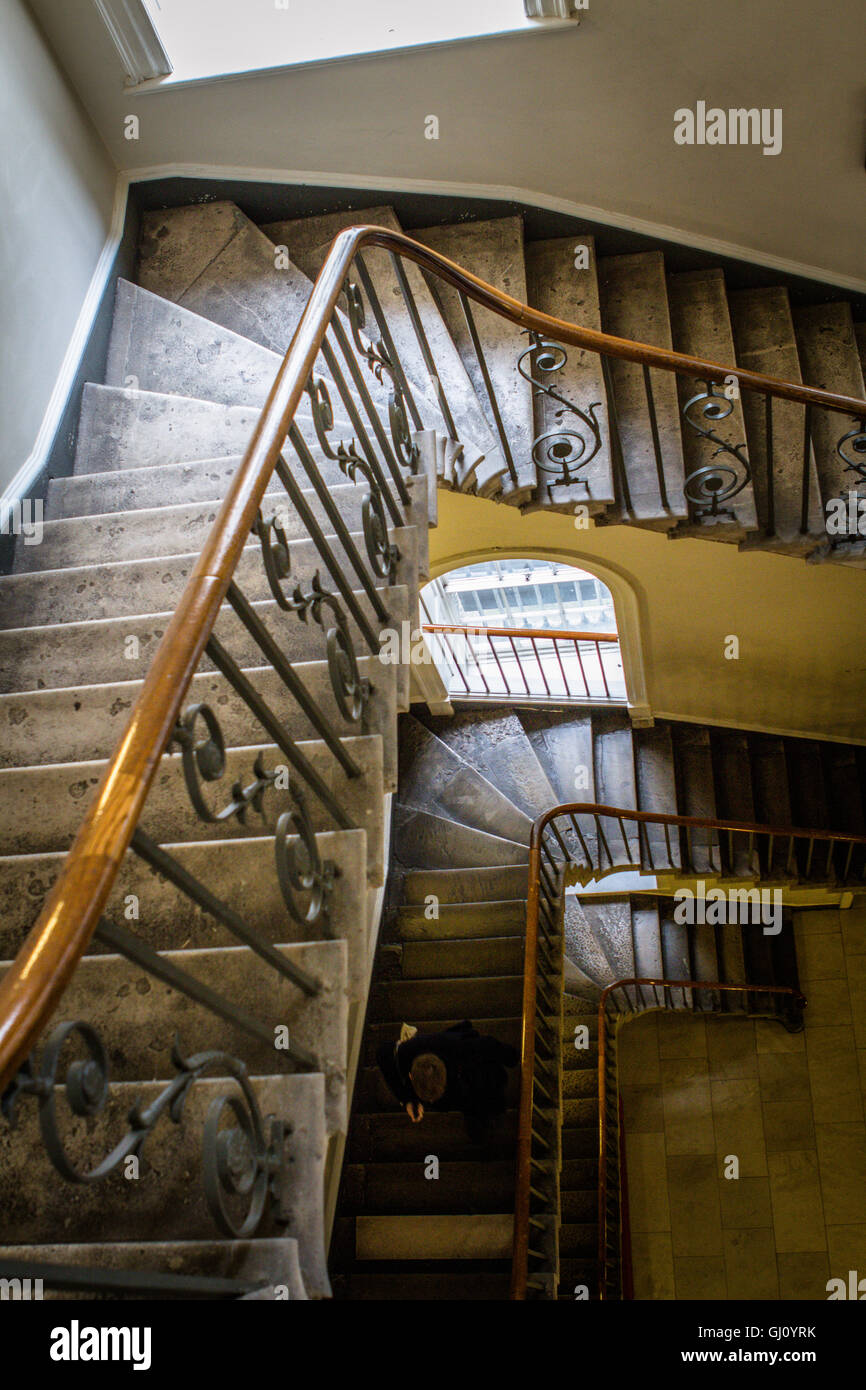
x=204 y=760
x=564 y=450
x=717 y=482
x=246 y=1159
x=383 y=556
x=378 y=360
x=300 y=867
x=854 y=442
x=350 y=691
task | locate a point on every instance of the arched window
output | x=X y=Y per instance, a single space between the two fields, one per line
x=525 y=629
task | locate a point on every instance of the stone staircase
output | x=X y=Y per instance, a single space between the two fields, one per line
x=214 y=262
x=194 y=348
x=81 y=614
x=469 y=789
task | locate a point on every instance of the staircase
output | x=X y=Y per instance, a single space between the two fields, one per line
x=469 y=789
x=205 y=953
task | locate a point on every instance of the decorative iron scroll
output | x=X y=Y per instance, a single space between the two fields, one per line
x=383 y=556
x=708 y=487
x=350 y=691
x=854 y=442
x=378 y=360
x=245 y=1160
x=300 y=867
x=564 y=450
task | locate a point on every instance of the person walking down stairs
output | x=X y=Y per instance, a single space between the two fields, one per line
x=456 y=1069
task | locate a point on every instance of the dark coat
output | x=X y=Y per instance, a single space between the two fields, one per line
x=475 y=1068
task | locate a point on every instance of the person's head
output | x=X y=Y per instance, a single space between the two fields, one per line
x=429 y=1077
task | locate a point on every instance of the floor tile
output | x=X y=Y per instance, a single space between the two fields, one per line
x=795 y=1191
x=652 y=1265
x=695 y=1213
x=803 y=1275
x=745 y=1202
x=700 y=1277
x=750 y=1263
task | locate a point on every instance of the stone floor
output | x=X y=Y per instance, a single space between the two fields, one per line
x=789 y=1107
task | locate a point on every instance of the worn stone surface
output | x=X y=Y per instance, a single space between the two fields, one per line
x=434 y=778
x=430 y=841
x=495 y=743
x=830 y=359
x=634 y=304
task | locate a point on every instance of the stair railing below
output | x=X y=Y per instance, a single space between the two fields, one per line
x=530 y=664
x=580 y=842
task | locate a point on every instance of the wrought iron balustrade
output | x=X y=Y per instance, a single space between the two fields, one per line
x=579 y=842
x=528 y=663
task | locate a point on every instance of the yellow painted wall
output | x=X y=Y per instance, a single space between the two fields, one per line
x=801 y=628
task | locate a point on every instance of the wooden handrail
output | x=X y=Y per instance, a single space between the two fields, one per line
x=520 y=1240
x=538 y=632
x=48 y=957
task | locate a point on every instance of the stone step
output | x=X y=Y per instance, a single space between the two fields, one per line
x=634 y=305
x=580 y=1083
x=84 y=723
x=578 y=1239
x=557 y=285
x=139 y=1036
x=705 y=965
x=392 y=1138
x=830 y=359
x=372 y=1095
x=124 y=428
x=771 y=792
x=580 y=1113
x=492 y=250
x=446 y=998
x=402 y=1188
x=427 y=960
x=213 y=260
x=582 y=945
x=701 y=326
x=695 y=792
x=135 y=587
x=177 y=529
x=479 y=884
x=242 y=873
x=484 y=1236
x=563 y=747
x=168 y=1195
x=458 y=921
x=268 y=1267
x=113 y=649
x=420 y=1286
x=434 y=778
x=308 y=240
x=156 y=345
x=609 y=920
x=579 y=1207
x=676 y=952
x=423 y=840
x=765 y=342
x=495 y=743
x=646 y=935
x=655 y=784
x=615 y=780
x=41 y=808
x=732 y=781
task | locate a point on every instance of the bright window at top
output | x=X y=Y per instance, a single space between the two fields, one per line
x=210 y=38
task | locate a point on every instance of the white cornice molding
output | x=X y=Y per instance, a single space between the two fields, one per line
x=135 y=37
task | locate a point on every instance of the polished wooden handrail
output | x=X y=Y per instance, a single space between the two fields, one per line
x=783 y=990
x=522 y=1181
x=560 y=636
x=46 y=961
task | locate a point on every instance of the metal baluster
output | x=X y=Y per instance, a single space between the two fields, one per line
x=807 y=450
x=771 y=482
x=271 y=724
x=364 y=439
x=506 y=687
x=421 y=336
x=385 y=331
x=562 y=668
x=539 y=665
x=601 y=664
x=654 y=430
x=313 y=711
x=615 y=437
x=161 y=968
x=519 y=666
x=488 y=386
x=580 y=664
x=372 y=413
x=332 y=511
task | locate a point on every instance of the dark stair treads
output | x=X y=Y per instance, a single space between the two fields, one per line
x=444 y=998
x=457 y=921
x=467 y=885
x=489 y=956
x=392 y=1138
x=392 y=1188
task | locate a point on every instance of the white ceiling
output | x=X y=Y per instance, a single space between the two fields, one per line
x=580 y=119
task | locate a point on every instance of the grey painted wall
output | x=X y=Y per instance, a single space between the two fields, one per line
x=584 y=114
x=56 y=193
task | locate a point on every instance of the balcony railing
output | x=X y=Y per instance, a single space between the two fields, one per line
x=528 y=664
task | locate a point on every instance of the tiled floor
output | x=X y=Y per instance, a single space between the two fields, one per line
x=701 y=1092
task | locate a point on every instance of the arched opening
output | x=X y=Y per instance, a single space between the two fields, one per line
x=525 y=629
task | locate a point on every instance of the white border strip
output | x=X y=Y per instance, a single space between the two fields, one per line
x=18 y=486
